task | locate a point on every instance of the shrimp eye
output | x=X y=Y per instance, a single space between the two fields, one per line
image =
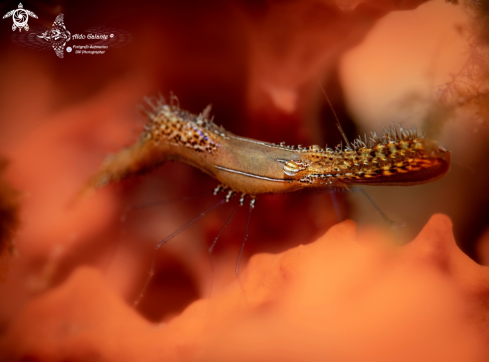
x=291 y=168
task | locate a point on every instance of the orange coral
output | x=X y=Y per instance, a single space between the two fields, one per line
x=345 y=297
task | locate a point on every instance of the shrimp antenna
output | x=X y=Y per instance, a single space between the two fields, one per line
x=164 y=241
x=211 y=248
x=336 y=204
x=162 y=203
x=336 y=117
x=384 y=216
x=240 y=254
x=131 y=208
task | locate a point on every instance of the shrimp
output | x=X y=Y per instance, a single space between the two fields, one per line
x=251 y=167
x=400 y=157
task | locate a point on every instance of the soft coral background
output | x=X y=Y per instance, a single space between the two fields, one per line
x=258 y=63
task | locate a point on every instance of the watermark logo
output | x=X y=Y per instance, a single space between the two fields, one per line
x=20 y=17
x=58 y=36
x=95 y=40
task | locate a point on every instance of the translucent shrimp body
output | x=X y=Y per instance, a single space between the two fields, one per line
x=399 y=157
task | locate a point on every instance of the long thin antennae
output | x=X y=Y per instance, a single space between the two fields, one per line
x=386 y=218
x=164 y=241
x=131 y=208
x=467 y=167
x=211 y=248
x=336 y=204
x=240 y=254
x=164 y=202
x=336 y=117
